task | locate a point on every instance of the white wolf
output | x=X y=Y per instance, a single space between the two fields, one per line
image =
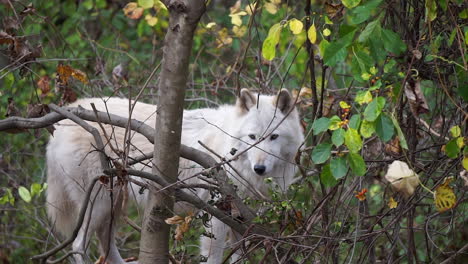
x=72 y=163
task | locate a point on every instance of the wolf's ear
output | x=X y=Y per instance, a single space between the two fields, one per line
x=246 y=100
x=283 y=101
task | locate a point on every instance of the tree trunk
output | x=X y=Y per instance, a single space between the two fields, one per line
x=183 y=20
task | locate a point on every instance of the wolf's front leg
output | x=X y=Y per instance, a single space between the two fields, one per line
x=213 y=248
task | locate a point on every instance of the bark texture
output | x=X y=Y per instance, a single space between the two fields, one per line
x=183 y=20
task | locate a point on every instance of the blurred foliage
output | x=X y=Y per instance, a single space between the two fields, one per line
x=387 y=81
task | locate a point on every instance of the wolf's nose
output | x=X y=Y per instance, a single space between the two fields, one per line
x=259 y=169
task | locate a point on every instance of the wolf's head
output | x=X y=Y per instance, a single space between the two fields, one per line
x=269 y=127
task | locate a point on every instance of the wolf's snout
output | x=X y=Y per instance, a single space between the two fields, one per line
x=259 y=169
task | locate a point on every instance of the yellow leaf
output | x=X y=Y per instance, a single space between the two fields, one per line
x=151 y=20
x=465 y=163
x=239 y=31
x=271 y=8
x=210 y=25
x=236 y=7
x=305 y=92
x=295 y=26
x=312 y=34
x=460 y=142
x=326 y=32
x=392 y=203
x=444 y=197
x=455 y=131
x=344 y=105
x=249 y=9
x=236 y=19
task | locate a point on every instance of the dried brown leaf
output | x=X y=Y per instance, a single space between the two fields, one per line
x=402 y=178
x=44 y=85
x=413 y=92
x=5 y=38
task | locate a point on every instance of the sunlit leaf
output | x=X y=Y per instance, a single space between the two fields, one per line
x=146 y=3
x=444 y=196
x=344 y=105
x=295 y=26
x=465 y=163
x=351 y=3
x=151 y=20
x=367 y=129
x=455 y=131
x=374 y=109
x=353 y=140
x=363 y=97
x=210 y=25
x=312 y=34
x=271 y=8
x=326 y=32
x=335 y=123
x=392 y=204
x=24 y=194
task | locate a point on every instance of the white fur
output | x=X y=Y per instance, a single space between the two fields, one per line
x=72 y=163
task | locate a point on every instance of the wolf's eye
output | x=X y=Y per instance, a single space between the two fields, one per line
x=274 y=136
x=252 y=136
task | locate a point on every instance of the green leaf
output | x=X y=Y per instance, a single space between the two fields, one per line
x=363 y=97
x=334 y=123
x=367 y=129
x=321 y=153
x=353 y=140
x=338 y=167
x=357 y=164
x=269 y=49
x=455 y=131
x=392 y=42
x=320 y=125
x=146 y=3
x=269 y=44
x=7 y=198
x=351 y=3
x=24 y=194
x=372 y=29
x=8 y=81
x=326 y=177
x=338 y=137
x=362 y=12
x=384 y=128
x=334 y=53
x=374 y=109
x=431 y=10
x=452 y=149
x=355 y=121
x=36 y=189
x=400 y=134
